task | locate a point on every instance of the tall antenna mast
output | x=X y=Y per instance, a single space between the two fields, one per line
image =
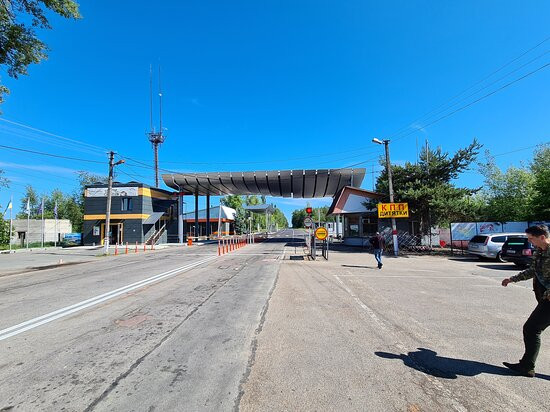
x=156 y=138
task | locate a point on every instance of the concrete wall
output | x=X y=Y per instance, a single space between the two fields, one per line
x=51 y=232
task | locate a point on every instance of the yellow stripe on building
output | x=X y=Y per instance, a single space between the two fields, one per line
x=148 y=192
x=118 y=216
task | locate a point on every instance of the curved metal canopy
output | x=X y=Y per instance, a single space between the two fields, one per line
x=283 y=183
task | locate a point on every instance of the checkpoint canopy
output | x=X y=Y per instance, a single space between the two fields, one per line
x=277 y=183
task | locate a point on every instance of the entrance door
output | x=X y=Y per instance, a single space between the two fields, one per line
x=115 y=235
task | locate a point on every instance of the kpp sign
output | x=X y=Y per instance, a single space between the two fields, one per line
x=386 y=210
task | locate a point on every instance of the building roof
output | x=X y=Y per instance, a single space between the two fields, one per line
x=226 y=213
x=260 y=208
x=278 y=183
x=351 y=200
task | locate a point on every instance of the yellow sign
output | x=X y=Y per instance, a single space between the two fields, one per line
x=321 y=233
x=386 y=210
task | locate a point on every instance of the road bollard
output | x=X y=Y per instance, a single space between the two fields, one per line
x=136 y=247
x=116 y=249
x=145 y=246
x=152 y=246
x=219 y=248
x=126 y=251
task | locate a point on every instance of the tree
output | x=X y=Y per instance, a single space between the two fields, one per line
x=540 y=167
x=427 y=186
x=508 y=195
x=3 y=181
x=4 y=231
x=298 y=217
x=34 y=203
x=19 y=45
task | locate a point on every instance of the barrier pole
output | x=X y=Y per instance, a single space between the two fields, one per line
x=116 y=249
x=126 y=251
x=219 y=248
x=136 y=246
x=145 y=247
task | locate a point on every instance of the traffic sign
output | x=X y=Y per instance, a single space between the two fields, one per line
x=386 y=210
x=321 y=233
x=308 y=222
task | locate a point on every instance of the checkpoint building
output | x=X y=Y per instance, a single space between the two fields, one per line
x=143 y=214
x=139 y=214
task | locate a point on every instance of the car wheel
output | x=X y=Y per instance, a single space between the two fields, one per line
x=499 y=258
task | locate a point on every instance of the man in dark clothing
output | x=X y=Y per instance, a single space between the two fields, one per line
x=539 y=320
x=378 y=244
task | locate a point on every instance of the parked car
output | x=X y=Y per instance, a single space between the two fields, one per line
x=489 y=245
x=518 y=250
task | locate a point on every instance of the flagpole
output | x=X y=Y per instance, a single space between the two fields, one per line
x=42 y=222
x=55 y=239
x=11 y=219
x=28 y=221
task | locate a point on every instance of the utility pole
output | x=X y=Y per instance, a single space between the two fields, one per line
x=386 y=143
x=112 y=165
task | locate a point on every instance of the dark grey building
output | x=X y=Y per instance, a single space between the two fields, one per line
x=139 y=213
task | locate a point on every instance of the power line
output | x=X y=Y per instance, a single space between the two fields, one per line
x=475 y=101
x=101 y=149
x=49 y=154
x=472 y=86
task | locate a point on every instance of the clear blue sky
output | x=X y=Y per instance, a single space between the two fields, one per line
x=262 y=85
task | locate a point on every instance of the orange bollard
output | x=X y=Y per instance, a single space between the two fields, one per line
x=145 y=247
x=126 y=251
x=116 y=249
x=152 y=246
x=136 y=246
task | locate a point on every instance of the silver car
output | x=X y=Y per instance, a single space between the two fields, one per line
x=489 y=245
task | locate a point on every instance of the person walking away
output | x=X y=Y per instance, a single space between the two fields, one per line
x=378 y=244
x=539 y=320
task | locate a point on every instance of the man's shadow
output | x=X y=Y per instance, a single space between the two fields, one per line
x=427 y=361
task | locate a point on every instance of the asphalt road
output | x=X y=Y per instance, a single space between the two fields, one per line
x=184 y=329
x=182 y=342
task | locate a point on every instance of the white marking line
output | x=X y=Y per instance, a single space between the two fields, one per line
x=407 y=276
x=41 y=320
x=457 y=406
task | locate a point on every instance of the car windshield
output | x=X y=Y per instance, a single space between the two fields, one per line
x=478 y=239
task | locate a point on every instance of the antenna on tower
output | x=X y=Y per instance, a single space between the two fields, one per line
x=156 y=138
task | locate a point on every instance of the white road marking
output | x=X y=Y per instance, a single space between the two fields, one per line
x=49 y=317
x=406 y=276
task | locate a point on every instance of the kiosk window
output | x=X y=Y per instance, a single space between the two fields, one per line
x=126 y=203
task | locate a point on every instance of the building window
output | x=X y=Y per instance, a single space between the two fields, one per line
x=126 y=204
x=351 y=228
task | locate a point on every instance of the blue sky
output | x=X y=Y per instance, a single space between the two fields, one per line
x=268 y=85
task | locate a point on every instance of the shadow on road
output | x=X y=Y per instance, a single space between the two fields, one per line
x=427 y=361
x=357 y=266
x=500 y=267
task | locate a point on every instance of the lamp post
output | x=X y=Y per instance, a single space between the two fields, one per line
x=386 y=142
x=112 y=165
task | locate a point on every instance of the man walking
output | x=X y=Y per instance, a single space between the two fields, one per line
x=540 y=318
x=378 y=244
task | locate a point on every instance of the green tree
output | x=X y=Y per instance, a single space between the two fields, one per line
x=540 y=167
x=4 y=231
x=509 y=195
x=427 y=186
x=34 y=203
x=3 y=181
x=19 y=45
x=298 y=217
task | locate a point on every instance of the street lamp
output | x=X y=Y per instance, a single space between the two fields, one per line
x=386 y=142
